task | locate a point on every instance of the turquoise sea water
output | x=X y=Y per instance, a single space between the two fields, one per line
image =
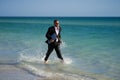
x=90 y=47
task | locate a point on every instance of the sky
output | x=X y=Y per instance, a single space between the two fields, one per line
x=60 y=8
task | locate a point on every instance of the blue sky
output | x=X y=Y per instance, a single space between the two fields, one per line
x=59 y=8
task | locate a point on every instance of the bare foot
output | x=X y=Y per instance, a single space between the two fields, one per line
x=45 y=62
x=62 y=61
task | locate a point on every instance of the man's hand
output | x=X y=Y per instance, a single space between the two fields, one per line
x=51 y=41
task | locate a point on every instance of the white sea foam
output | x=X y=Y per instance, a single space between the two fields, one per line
x=52 y=75
x=68 y=60
x=47 y=70
x=38 y=58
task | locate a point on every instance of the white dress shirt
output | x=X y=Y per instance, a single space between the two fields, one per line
x=57 y=32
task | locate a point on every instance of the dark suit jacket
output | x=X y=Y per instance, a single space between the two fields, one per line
x=51 y=31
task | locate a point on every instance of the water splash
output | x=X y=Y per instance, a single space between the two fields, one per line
x=63 y=45
x=33 y=54
x=67 y=60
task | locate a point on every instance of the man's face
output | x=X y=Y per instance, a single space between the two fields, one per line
x=56 y=23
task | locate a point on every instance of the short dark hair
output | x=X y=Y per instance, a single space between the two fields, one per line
x=55 y=20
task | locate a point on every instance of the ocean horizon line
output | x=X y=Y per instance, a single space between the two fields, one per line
x=61 y=16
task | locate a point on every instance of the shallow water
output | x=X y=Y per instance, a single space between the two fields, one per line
x=90 y=47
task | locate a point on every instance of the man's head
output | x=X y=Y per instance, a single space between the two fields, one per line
x=56 y=23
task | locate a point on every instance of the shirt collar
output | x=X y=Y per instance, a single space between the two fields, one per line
x=57 y=27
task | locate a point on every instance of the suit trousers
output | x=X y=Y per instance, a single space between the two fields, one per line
x=51 y=47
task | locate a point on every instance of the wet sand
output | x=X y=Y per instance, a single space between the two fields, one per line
x=11 y=72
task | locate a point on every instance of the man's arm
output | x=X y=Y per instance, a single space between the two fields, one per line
x=49 y=33
x=48 y=36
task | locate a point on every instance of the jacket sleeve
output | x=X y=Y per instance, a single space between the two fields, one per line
x=48 y=36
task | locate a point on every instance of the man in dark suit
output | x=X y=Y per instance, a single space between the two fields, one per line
x=53 y=40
